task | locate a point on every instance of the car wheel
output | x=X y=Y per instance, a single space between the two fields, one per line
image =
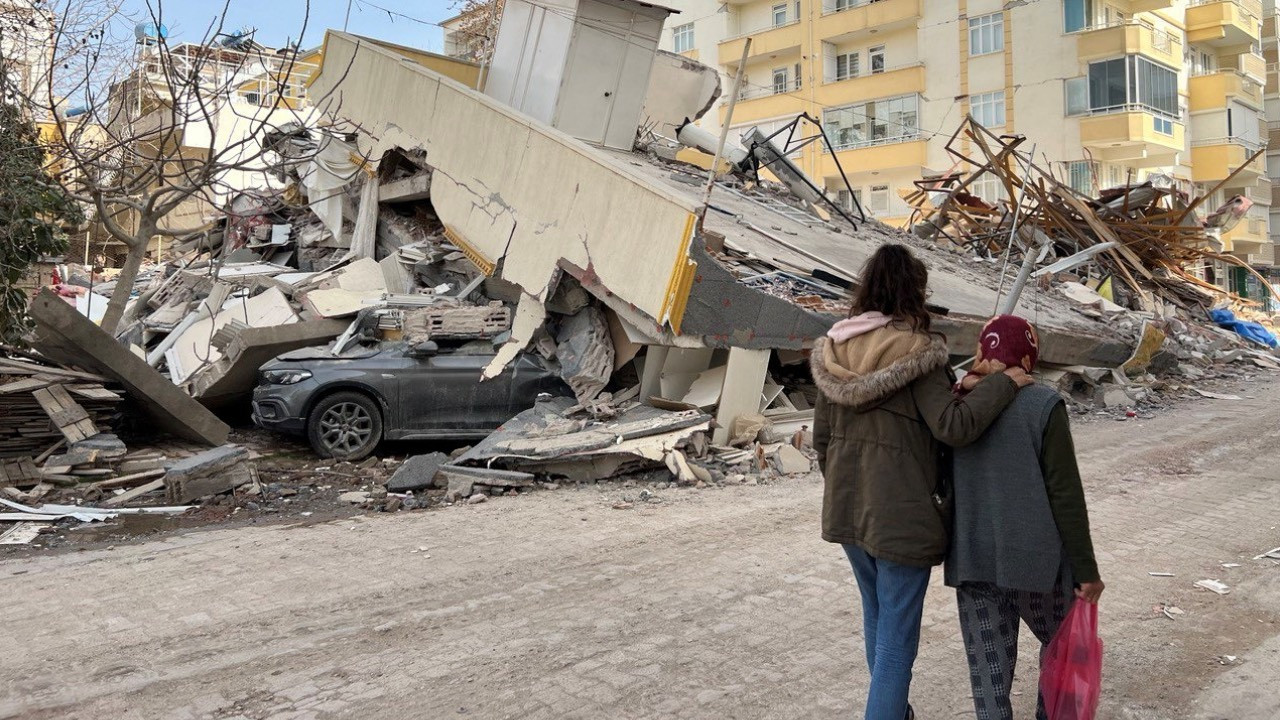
x=345 y=425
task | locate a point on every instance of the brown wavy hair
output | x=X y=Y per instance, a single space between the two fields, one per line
x=894 y=282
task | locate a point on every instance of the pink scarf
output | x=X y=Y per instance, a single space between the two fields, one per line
x=850 y=328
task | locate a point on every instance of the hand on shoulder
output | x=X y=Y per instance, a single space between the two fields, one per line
x=1019 y=376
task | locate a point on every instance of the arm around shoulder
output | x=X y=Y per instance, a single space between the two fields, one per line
x=960 y=421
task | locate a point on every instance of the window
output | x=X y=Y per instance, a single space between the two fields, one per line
x=1163 y=125
x=1076 y=91
x=1133 y=81
x=1076 y=14
x=878 y=199
x=989 y=188
x=682 y=38
x=875 y=58
x=847 y=65
x=1080 y=177
x=779 y=15
x=780 y=81
x=799 y=74
x=846 y=200
x=988 y=108
x=986 y=34
x=876 y=122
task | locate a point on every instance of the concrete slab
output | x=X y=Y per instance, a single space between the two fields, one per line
x=66 y=336
x=232 y=379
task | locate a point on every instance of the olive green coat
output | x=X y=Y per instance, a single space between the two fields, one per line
x=877 y=435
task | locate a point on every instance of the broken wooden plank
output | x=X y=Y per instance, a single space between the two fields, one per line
x=67 y=414
x=134 y=494
x=130 y=480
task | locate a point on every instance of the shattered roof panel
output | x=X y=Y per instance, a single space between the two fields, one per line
x=960 y=284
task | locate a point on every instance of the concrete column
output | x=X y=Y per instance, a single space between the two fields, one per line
x=655 y=356
x=740 y=395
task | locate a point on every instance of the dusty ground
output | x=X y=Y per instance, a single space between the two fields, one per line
x=720 y=603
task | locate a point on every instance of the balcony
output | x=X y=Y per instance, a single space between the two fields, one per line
x=1216 y=90
x=1130 y=134
x=863 y=18
x=1223 y=23
x=1273 y=135
x=903 y=80
x=1249 y=236
x=1249 y=64
x=1273 y=79
x=765 y=42
x=876 y=156
x=1269 y=26
x=1137 y=6
x=1212 y=160
x=1130 y=37
x=759 y=103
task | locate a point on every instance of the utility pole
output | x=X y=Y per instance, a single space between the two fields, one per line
x=724 y=133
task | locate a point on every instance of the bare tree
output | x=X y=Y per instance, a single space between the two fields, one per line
x=477 y=26
x=153 y=136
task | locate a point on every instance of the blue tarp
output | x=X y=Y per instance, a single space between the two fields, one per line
x=1247 y=330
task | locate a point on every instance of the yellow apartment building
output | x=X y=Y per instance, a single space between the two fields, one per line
x=1107 y=90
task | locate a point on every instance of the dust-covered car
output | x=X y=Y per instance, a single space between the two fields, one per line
x=347 y=404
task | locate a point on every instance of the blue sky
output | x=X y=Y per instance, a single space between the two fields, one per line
x=281 y=20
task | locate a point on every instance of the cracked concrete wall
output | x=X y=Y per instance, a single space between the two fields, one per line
x=679 y=88
x=524 y=196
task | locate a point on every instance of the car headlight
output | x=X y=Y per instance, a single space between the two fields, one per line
x=285 y=376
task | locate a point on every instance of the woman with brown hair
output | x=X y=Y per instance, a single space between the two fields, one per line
x=885 y=410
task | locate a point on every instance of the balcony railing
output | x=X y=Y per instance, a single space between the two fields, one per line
x=1128 y=108
x=832 y=6
x=761 y=29
x=1251 y=145
x=871 y=73
x=1160 y=39
x=751 y=92
x=876 y=142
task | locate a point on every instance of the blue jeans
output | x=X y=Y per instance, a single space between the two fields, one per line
x=892 y=606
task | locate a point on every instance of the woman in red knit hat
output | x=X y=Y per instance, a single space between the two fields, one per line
x=1020 y=549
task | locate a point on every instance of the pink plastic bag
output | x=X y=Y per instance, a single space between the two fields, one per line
x=1071 y=670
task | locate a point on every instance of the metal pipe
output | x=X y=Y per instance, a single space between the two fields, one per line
x=724 y=133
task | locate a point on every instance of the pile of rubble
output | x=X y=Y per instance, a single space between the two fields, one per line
x=1139 y=238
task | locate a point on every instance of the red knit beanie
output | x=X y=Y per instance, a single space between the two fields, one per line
x=1008 y=340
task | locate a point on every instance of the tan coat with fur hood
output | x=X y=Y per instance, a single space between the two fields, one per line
x=884 y=407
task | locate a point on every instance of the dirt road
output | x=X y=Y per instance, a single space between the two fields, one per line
x=706 y=604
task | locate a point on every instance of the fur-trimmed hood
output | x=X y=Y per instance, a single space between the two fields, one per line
x=872 y=367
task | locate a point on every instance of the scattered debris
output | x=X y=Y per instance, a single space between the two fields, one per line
x=1272 y=554
x=1214 y=586
x=22 y=533
x=1216 y=395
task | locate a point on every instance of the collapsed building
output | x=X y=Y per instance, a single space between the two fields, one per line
x=571 y=220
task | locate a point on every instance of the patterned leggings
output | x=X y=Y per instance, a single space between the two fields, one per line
x=989 y=618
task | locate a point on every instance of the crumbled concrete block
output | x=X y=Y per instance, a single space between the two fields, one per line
x=585 y=351
x=790 y=461
x=1114 y=397
x=418 y=472
x=215 y=471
